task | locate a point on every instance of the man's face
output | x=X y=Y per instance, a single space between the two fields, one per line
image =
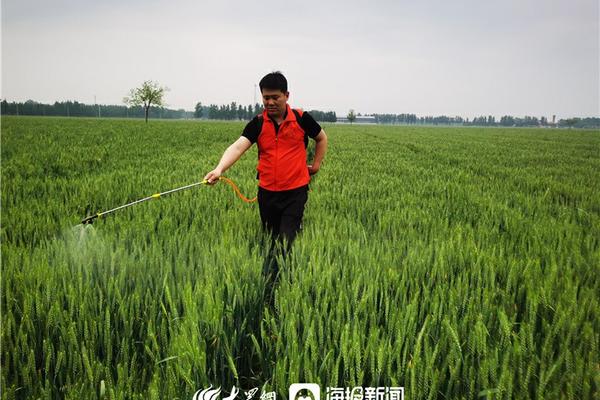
x=275 y=102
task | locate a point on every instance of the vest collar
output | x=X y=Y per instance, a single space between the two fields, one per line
x=289 y=115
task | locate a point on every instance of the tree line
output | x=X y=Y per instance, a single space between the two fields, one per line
x=506 y=121
x=234 y=111
x=231 y=111
x=77 y=109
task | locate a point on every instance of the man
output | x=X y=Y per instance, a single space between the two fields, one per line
x=281 y=135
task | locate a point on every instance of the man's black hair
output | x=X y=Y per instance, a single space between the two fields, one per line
x=273 y=81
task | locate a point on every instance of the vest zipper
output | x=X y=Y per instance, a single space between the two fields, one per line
x=276 y=157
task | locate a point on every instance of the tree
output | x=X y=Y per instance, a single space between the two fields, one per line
x=150 y=93
x=198 y=111
x=507 y=120
x=351 y=116
x=570 y=122
x=213 y=111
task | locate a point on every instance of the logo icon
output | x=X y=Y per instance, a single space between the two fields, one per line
x=304 y=391
x=207 y=394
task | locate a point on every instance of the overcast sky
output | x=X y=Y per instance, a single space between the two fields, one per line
x=465 y=57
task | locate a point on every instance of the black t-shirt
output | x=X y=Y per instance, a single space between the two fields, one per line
x=307 y=123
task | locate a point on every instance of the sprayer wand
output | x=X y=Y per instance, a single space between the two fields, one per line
x=91 y=218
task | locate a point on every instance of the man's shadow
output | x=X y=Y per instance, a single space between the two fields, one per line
x=256 y=354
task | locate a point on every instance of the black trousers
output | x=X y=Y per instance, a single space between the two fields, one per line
x=281 y=212
x=281 y=216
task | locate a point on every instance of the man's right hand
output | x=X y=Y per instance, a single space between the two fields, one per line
x=213 y=176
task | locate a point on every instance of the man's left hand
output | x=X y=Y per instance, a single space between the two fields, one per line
x=312 y=169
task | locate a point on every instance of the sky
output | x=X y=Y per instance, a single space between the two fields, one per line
x=457 y=58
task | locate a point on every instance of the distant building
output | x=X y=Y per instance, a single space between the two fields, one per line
x=362 y=119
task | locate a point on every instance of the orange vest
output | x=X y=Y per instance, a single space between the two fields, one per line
x=282 y=155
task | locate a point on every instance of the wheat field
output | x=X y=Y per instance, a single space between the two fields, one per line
x=459 y=263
